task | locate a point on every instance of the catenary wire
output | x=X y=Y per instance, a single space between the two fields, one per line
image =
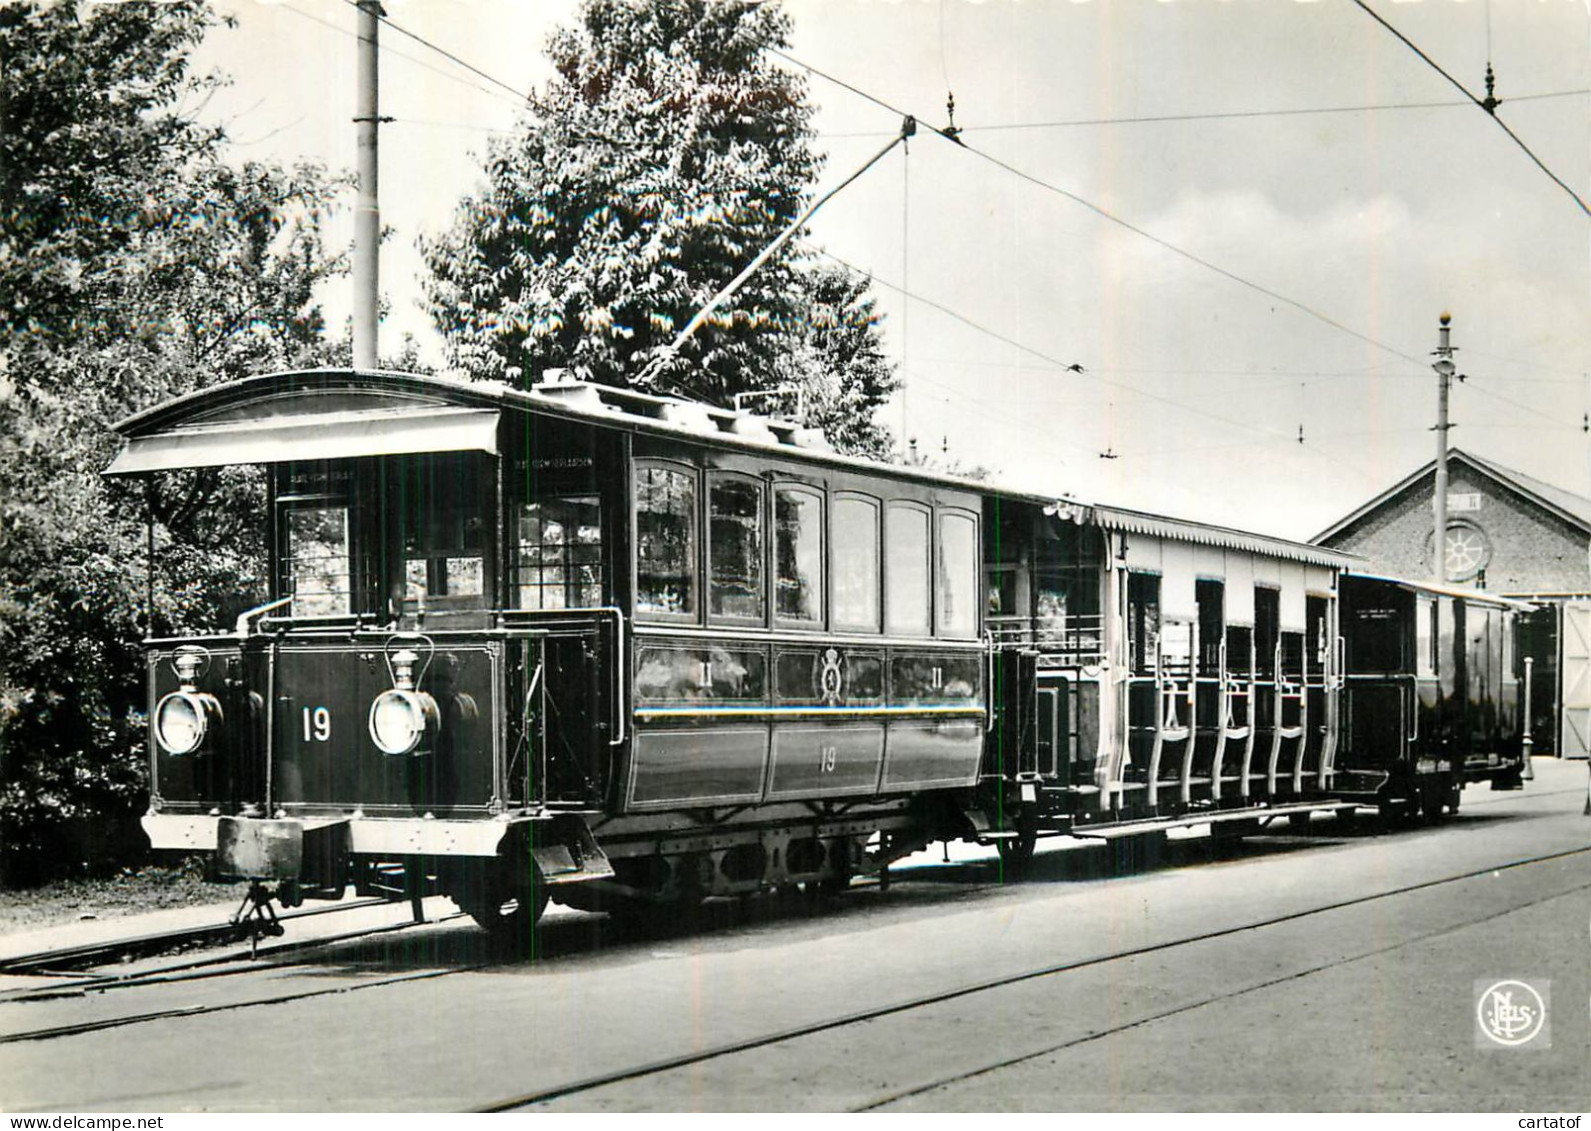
x=387 y=50
x=1112 y=218
x=1491 y=111
x=1055 y=361
x=522 y=96
x=1224 y=115
x=1040 y=182
x=527 y=99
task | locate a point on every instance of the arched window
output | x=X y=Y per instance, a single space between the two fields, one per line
x=798 y=555
x=665 y=541
x=906 y=569
x=856 y=563
x=735 y=549
x=956 y=571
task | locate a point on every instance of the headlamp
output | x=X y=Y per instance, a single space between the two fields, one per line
x=402 y=719
x=183 y=718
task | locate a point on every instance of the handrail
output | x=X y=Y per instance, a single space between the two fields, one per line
x=621 y=663
x=1078 y=640
x=989 y=681
x=241 y=629
x=621 y=707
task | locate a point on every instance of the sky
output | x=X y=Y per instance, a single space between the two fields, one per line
x=1241 y=219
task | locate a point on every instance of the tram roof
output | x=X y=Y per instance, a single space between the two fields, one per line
x=1478 y=596
x=274 y=417
x=1223 y=537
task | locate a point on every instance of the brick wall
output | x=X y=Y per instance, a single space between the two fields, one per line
x=1532 y=550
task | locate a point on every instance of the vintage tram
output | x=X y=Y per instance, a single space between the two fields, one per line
x=1431 y=699
x=618 y=649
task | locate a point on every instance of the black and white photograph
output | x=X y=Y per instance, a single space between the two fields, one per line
x=794 y=556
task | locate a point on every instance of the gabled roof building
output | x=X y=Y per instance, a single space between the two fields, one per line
x=1516 y=536
x=1506 y=531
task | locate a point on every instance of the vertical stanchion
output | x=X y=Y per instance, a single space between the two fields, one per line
x=1527 y=742
x=367 y=208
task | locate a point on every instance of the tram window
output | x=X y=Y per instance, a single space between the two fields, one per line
x=443 y=531
x=1210 y=595
x=316 y=561
x=1435 y=640
x=798 y=555
x=1376 y=632
x=855 y=556
x=1143 y=621
x=665 y=559
x=1447 y=672
x=1002 y=600
x=1425 y=638
x=734 y=584
x=1317 y=642
x=1239 y=650
x=560 y=553
x=906 y=569
x=957 y=575
x=1267 y=629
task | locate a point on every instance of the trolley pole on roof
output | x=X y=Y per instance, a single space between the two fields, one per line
x=1444 y=383
x=367 y=210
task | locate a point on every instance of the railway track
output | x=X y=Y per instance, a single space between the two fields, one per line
x=664 y=1065
x=231 y=964
x=287 y=954
x=73 y=958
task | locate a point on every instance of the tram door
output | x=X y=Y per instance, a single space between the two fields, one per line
x=560 y=739
x=566 y=665
x=1575 y=634
x=1016 y=737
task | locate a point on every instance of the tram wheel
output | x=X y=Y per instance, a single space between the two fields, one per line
x=1016 y=852
x=1397 y=812
x=506 y=906
x=834 y=885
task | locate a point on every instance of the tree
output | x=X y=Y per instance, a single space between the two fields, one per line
x=142 y=266
x=667 y=151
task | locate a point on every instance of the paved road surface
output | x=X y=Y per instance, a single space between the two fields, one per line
x=1368 y=1005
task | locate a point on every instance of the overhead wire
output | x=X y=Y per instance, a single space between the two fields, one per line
x=1521 y=405
x=1491 y=110
x=1223 y=115
x=521 y=97
x=1220 y=115
x=388 y=50
x=445 y=53
x=1110 y=217
x=960 y=142
x=1146 y=394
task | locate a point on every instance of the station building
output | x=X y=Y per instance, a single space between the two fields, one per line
x=1511 y=534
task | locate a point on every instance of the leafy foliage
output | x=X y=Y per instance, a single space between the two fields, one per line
x=667 y=151
x=143 y=267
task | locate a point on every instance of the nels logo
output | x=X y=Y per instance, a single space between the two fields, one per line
x=1510 y=1013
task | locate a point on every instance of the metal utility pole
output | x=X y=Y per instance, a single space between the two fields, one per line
x=367 y=210
x=1444 y=382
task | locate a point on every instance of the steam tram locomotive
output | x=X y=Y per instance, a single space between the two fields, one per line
x=615 y=649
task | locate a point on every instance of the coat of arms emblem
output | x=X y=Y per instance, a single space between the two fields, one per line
x=831 y=678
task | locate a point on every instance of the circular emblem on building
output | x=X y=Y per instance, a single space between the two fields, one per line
x=1467 y=550
x=1510 y=1012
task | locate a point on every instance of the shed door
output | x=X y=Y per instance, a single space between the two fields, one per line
x=1576 y=672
